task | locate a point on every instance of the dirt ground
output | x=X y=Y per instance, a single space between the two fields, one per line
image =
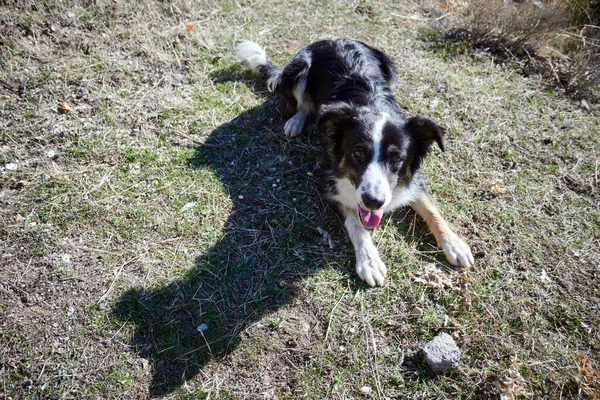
x=160 y=237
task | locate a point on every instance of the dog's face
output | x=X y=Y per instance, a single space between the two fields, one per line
x=376 y=152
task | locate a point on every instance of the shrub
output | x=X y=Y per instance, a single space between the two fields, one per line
x=558 y=38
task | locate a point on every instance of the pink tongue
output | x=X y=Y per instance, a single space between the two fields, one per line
x=369 y=218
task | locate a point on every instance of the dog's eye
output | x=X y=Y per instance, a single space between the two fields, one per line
x=359 y=154
x=396 y=158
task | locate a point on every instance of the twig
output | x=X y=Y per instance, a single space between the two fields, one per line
x=420 y=19
x=205 y=145
x=102 y=181
x=331 y=315
x=212 y=145
x=112 y=284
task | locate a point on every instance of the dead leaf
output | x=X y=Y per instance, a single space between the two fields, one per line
x=494 y=187
x=326 y=237
x=190 y=28
x=544 y=277
x=64 y=107
x=510 y=383
x=588 y=378
x=432 y=276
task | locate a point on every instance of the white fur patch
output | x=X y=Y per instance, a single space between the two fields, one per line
x=402 y=196
x=345 y=193
x=251 y=53
x=374 y=180
x=369 y=266
x=457 y=252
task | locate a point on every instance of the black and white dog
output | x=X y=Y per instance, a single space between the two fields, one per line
x=373 y=152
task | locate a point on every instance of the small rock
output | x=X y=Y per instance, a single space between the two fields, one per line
x=202 y=328
x=274 y=185
x=416 y=312
x=365 y=390
x=585 y=105
x=187 y=206
x=11 y=166
x=51 y=154
x=102 y=305
x=441 y=353
x=241 y=197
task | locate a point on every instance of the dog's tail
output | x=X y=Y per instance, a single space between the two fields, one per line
x=256 y=57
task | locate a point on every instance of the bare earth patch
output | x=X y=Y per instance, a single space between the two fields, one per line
x=160 y=237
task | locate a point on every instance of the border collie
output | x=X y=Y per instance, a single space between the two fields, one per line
x=373 y=152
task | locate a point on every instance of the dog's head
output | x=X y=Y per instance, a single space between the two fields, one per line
x=376 y=152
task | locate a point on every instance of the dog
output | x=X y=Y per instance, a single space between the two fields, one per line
x=373 y=153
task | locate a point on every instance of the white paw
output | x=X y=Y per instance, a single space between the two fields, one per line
x=370 y=268
x=457 y=252
x=293 y=126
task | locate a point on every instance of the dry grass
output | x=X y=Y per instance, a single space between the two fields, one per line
x=559 y=40
x=146 y=189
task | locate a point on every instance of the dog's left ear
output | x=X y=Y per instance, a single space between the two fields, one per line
x=425 y=131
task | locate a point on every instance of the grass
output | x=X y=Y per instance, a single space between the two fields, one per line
x=173 y=200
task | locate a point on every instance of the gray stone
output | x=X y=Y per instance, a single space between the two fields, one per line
x=442 y=353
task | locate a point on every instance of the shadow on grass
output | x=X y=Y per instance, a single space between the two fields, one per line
x=270 y=241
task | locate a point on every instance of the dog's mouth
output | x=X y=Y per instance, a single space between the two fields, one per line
x=370 y=218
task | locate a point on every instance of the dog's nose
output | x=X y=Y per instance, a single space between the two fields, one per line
x=371 y=202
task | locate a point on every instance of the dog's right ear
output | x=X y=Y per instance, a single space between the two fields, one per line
x=334 y=121
x=335 y=117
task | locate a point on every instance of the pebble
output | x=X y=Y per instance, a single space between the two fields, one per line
x=187 y=206
x=241 y=197
x=11 y=166
x=416 y=312
x=365 y=390
x=585 y=105
x=51 y=154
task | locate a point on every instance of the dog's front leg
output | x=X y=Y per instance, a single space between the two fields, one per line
x=457 y=252
x=369 y=266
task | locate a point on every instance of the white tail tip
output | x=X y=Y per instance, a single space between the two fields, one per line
x=251 y=53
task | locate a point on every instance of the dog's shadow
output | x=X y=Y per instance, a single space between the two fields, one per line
x=272 y=239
